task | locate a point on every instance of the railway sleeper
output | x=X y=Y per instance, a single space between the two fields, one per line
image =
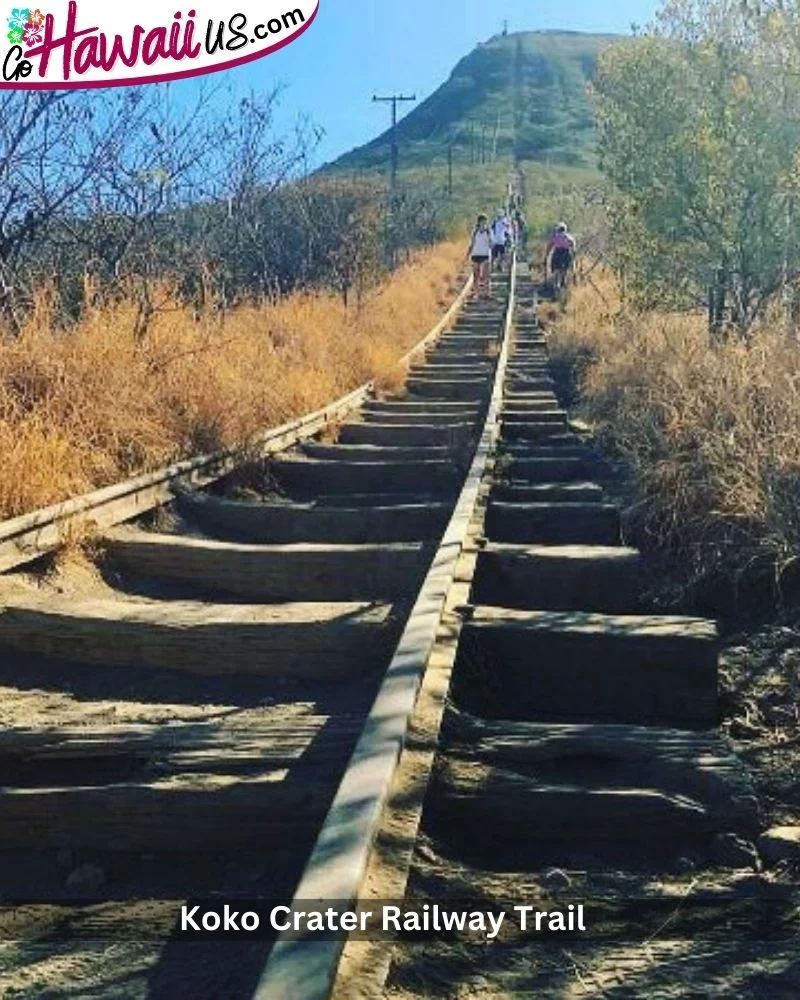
x=368 y=453
x=553 y=523
x=291 y=640
x=453 y=435
x=285 y=523
x=546 y=470
x=442 y=388
x=310 y=477
x=559 y=578
x=586 y=785
x=571 y=666
x=587 y=492
x=278 y=573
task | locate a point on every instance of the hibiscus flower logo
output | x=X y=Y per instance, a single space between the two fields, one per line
x=18 y=19
x=25 y=25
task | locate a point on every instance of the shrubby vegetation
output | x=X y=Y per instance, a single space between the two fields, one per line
x=171 y=281
x=700 y=144
x=700 y=136
x=136 y=193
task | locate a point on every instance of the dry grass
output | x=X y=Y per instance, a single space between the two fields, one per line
x=711 y=435
x=88 y=406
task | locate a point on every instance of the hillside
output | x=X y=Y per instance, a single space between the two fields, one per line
x=518 y=96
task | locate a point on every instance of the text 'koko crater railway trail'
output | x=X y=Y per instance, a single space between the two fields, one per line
x=292 y=685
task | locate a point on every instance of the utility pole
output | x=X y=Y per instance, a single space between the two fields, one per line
x=394 y=100
x=450 y=169
x=505 y=28
x=496 y=135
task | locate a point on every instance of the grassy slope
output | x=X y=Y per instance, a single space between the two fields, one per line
x=520 y=96
x=527 y=92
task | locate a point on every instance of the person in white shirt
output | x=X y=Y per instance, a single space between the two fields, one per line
x=501 y=233
x=480 y=253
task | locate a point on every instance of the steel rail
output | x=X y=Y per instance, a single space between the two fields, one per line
x=304 y=968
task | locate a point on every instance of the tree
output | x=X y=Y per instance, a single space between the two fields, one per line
x=700 y=135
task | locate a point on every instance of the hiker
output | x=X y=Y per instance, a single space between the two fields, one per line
x=480 y=253
x=560 y=254
x=501 y=232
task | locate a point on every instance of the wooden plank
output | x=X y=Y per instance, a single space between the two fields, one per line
x=451 y=435
x=279 y=740
x=356 y=453
x=285 y=640
x=581 y=779
x=546 y=470
x=310 y=477
x=180 y=813
x=287 y=523
x=462 y=388
x=559 y=523
x=559 y=578
x=540 y=665
x=256 y=573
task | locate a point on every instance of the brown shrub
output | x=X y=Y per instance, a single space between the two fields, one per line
x=85 y=407
x=710 y=434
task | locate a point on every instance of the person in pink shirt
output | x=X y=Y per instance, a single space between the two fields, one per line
x=560 y=253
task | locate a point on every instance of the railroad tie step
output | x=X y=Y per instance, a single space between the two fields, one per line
x=284 y=523
x=528 y=361
x=420 y=418
x=589 y=786
x=549 y=493
x=173 y=787
x=518 y=383
x=545 y=435
x=403 y=405
x=546 y=470
x=521 y=405
x=544 y=446
x=292 y=640
x=278 y=573
x=522 y=402
x=455 y=355
x=559 y=577
x=474 y=338
x=554 y=523
x=360 y=453
x=533 y=431
x=455 y=368
x=516 y=412
x=586 y=666
x=448 y=435
x=444 y=388
x=514 y=418
x=311 y=477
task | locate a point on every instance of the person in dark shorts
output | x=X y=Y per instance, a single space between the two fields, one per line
x=560 y=253
x=480 y=253
x=500 y=238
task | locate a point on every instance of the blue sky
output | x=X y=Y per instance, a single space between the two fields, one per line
x=358 y=46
